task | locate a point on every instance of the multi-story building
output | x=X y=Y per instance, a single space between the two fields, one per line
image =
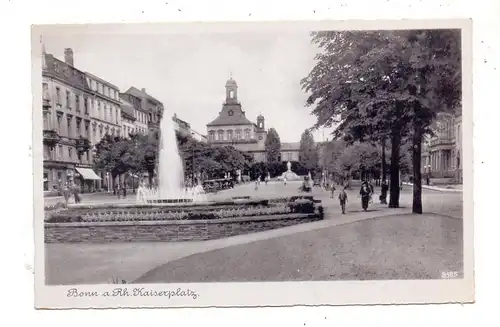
x=233 y=128
x=442 y=153
x=128 y=119
x=105 y=114
x=140 y=113
x=67 y=98
x=145 y=103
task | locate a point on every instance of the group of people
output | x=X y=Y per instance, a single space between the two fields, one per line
x=366 y=193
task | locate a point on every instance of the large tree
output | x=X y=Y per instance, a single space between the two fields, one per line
x=308 y=152
x=385 y=86
x=272 y=146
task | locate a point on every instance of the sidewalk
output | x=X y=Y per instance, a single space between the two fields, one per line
x=444 y=188
x=99 y=263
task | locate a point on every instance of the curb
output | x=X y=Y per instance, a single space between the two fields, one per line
x=439 y=189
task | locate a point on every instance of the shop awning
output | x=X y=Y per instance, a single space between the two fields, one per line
x=88 y=174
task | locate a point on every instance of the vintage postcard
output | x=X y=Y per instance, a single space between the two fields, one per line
x=253 y=164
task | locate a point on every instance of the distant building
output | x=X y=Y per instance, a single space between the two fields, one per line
x=442 y=153
x=140 y=113
x=147 y=104
x=67 y=119
x=128 y=119
x=232 y=127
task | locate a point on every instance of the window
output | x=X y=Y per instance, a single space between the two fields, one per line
x=231 y=94
x=45 y=91
x=59 y=154
x=70 y=132
x=70 y=153
x=247 y=134
x=238 y=134
x=45 y=181
x=68 y=104
x=87 y=129
x=59 y=117
x=93 y=132
x=58 y=96
x=98 y=109
x=211 y=136
x=86 y=105
x=77 y=102
x=78 y=128
x=230 y=135
x=88 y=156
x=150 y=117
x=289 y=156
x=220 y=135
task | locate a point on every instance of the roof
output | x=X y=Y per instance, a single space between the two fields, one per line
x=65 y=72
x=290 y=146
x=142 y=94
x=127 y=109
x=231 y=82
x=102 y=81
x=237 y=117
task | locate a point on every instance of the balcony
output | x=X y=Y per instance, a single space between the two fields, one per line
x=82 y=145
x=51 y=137
x=152 y=124
x=442 y=141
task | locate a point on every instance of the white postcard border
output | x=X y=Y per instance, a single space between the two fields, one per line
x=265 y=293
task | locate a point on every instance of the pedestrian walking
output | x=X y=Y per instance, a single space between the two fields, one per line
x=332 y=190
x=343 y=199
x=383 y=192
x=365 y=195
x=284 y=180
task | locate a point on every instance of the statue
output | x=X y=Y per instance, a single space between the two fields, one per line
x=289 y=166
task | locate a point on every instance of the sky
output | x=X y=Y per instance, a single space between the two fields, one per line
x=187 y=72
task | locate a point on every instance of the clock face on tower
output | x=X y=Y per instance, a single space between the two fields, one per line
x=230 y=112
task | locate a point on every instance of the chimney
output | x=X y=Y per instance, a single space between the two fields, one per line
x=68 y=56
x=143 y=90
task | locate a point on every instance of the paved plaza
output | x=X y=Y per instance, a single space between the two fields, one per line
x=340 y=247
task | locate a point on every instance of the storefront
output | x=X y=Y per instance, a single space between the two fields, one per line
x=86 y=179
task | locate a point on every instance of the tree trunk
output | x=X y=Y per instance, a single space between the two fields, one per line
x=417 y=161
x=394 y=183
x=384 y=168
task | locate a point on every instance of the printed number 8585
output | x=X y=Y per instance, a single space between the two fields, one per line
x=449 y=274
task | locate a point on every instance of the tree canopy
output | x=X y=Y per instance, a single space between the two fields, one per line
x=308 y=152
x=272 y=146
x=385 y=84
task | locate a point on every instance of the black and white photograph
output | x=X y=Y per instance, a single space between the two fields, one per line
x=182 y=164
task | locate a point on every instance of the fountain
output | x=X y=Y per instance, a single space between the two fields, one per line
x=171 y=187
x=172 y=212
x=289 y=174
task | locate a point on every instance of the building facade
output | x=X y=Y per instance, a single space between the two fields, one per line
x=232 y=127
x=128 y=119
x=67 y=120
x=146 y=106
x=442 y=152
x=140 y=113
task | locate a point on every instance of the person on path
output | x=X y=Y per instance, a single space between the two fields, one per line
x=342 y=199
x=383 y=192
x=284 y=180
x=365 y=193
x=332 y=190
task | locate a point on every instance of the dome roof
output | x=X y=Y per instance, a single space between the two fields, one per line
x=231 y=82
x=260 y=116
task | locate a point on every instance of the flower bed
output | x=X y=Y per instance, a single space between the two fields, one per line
x=218 y=210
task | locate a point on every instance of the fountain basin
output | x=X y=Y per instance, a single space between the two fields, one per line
x=102 y=223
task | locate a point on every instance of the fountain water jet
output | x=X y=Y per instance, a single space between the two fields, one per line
x=171 y=187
